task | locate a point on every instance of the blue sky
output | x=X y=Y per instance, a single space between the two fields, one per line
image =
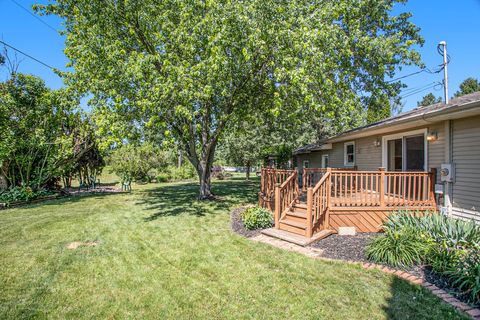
x=456 y=22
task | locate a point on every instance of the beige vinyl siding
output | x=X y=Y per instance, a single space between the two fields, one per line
x=368 y=156
x=466 y=156
x=335 y=155
x=314 y=158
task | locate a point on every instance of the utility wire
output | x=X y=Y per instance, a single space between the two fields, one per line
x=27 y=55
x=409 y=90
x=418 y=91
x=35 y=16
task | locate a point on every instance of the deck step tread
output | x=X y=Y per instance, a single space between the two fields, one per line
x=300 y=205
x=295 y=224
x=298 y=214
x=296 y=238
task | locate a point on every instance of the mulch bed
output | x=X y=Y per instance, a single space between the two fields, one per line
x=353 y=248
x=238 y=226
x=345 y=247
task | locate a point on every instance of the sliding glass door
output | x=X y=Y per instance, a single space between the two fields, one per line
x=406 y=153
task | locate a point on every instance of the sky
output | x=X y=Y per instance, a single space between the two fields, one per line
x=456 y=22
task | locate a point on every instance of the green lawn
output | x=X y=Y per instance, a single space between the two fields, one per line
x=162 y=254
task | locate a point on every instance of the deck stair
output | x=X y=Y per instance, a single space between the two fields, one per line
x=294 y=219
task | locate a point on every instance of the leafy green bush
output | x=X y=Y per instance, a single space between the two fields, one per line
x=163 y=177
x=257 y=218
x=14 y=194
x=399 y=248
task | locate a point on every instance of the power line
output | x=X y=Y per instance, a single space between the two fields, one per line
x=409 y=90
x=27 y=55
x=35 y=16
x=418 y=91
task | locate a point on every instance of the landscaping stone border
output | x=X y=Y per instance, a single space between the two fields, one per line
x=315 y=253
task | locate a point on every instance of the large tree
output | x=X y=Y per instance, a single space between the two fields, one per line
x=469 y=85
x=192 y=68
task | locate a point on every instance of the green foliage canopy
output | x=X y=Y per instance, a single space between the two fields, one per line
x=192 y=68
x=469 y=85
x=428 y=100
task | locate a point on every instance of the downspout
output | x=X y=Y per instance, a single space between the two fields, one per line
x=447 y=186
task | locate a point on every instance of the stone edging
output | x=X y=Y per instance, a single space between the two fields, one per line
x=315 y=253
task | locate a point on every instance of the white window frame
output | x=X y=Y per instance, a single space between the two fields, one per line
x=345 y=145
x=401 y=136
x=324 y=156
x=307 y=162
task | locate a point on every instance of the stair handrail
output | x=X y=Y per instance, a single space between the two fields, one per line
x=285 y=196
x=318 y=203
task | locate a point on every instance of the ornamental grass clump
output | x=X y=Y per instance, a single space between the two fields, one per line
x=451 y=247
x=398 y=248
x=257 y=218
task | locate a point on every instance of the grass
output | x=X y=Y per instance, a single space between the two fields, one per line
x=162 y=254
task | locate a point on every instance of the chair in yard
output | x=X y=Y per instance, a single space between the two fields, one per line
x=127 y=185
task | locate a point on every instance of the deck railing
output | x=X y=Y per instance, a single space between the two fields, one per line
x=285 y=195
x=382 y=189
x=269 y=178
x=318 y=199
x=311 y=176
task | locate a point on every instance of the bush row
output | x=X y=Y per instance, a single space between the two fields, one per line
x=450 y=246
x=14 y=194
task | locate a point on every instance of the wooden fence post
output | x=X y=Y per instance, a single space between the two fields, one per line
x=277 y=206
x=382 y=187
x=309 y=211
x=329 y=193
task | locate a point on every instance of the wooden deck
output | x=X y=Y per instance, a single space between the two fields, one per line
x=344 y=198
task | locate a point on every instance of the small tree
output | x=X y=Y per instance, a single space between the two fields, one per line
x=428 y=100
x=469 y=85
x=131 y=162
x=243 y=148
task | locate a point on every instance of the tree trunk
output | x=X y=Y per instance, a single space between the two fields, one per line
x=205 y=184
x=247 y=174
x=180 y=159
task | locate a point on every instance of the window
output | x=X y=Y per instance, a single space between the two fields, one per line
x=325 y=161
x=306 y=164
x=349 y=153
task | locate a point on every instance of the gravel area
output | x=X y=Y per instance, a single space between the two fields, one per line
x=238 y=226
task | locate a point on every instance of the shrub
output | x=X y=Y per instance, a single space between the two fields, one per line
x=163 y=177
x=14 y=194
x=399 y=248
x=257 y=218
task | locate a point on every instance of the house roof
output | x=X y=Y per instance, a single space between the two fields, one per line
x=462 y=106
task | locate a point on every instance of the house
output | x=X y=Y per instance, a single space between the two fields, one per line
x=424 y=159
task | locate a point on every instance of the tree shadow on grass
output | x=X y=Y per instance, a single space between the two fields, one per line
x=410 y=301
x=182 y=198
x=66 y=199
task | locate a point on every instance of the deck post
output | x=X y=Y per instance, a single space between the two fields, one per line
x=329 y=194
x=382 y=187
x=433 y=177
x=277 y=206
x=309 y=212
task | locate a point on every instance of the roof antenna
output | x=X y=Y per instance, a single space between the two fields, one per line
x=446 y=59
